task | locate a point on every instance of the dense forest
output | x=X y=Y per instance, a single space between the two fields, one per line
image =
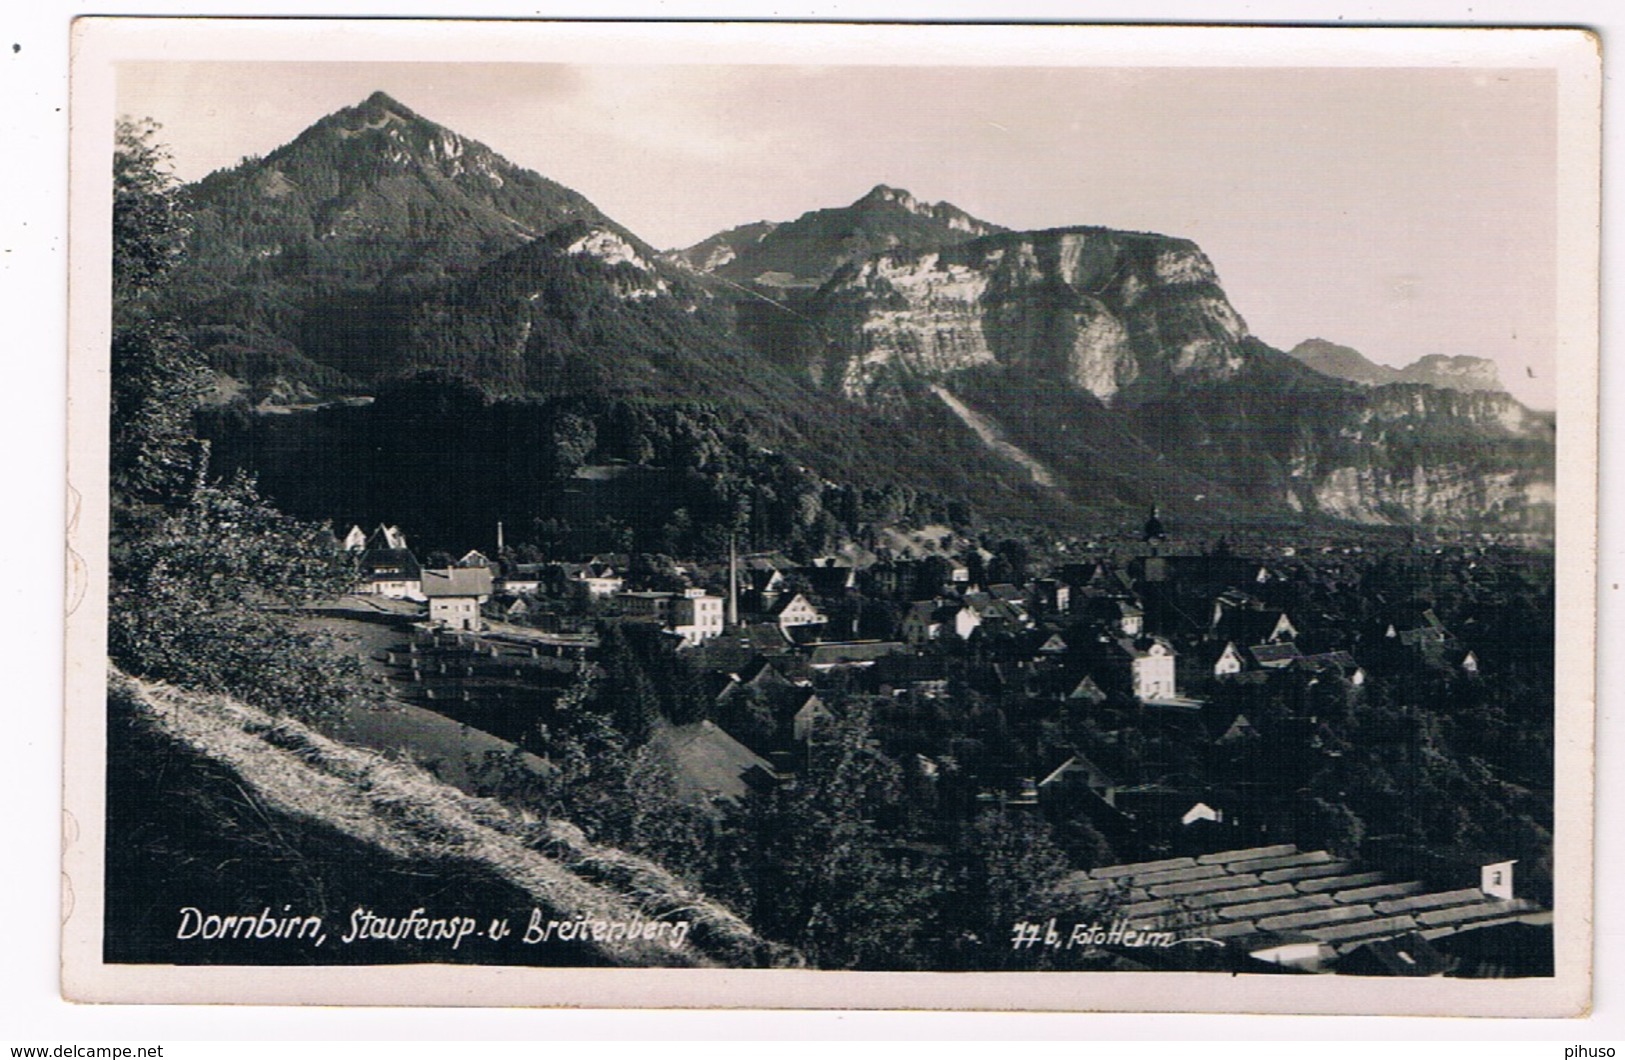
x=584 y=473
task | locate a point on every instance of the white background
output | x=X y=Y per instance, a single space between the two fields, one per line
x=33 y=242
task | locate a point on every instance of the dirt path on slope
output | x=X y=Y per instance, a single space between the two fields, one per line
x=994 y=439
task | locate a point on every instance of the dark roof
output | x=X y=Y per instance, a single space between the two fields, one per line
x=1209 y=652
x=708 y=763
x=1377 y=892
x=390 y=563
x=760 y=580
x=1087 y=689
x=784 y=601
x=921 y=610
x=1075 y=769
x=1339 y=661
x=761 y=671
x=739 y=646
x=718 y=685
x=723 y=655
x=1047 y=642
x=1240 y=728
x=1226 y=857
x=1109 y=608
x=795 y=700
x=899 y=668
x=1261 y=893
x=386 y=538
x=1269 y=862
x=457 y=581
x=765 y=637
x=851 y=653
x=1248 y=626
x=1513 y=949
x=1413 y=617
x=1423 y=637
x=1274 y=655
x=1341 y=884
x=1214 y=572
x=1135 y=647
x=1083 y=573
x=1117 y=872
x=829 y=581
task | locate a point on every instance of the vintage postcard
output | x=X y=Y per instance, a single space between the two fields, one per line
x=845 y=516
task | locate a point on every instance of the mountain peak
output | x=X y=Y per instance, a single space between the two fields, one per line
x=382 y=100
x=886 y=193
x=379 y=113
x=808 y=250
x=375 y=190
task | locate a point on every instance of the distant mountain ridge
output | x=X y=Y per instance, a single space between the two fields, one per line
x=1460 y=372
x=714 y=252
x=807 y=251
x=883 y=341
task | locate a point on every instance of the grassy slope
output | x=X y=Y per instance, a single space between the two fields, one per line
x=215 y=804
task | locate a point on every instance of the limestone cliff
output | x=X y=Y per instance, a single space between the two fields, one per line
x=1413 y=453
x=1137 y=326
x=1440 y=495
x=1097 y=308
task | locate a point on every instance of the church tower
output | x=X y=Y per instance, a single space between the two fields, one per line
x=1154 y=530
x=1154 y=534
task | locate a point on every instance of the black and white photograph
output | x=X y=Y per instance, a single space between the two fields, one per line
x=663 y=513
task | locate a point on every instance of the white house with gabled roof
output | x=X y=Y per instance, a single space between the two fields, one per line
x=455 y=596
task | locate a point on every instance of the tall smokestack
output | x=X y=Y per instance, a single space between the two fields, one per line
x=499 y=535
x=733 y=583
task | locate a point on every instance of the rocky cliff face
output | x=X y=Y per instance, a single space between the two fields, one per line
x=1412 y=453
x=1453 y=373
x=1393 y=408
x=1444 y=495
x=1097 y=308
x=1139 y=324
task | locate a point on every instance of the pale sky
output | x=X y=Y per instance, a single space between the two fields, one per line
x=1399 y=211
